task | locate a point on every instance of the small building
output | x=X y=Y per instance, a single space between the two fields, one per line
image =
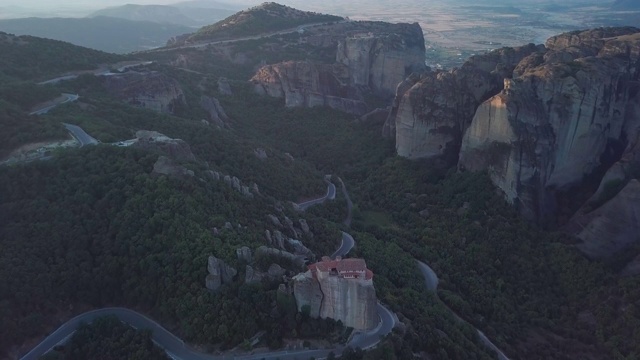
x=344 y=268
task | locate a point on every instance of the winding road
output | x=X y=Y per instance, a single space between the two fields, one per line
x=331 y=194
x=431 y=280
x=80 y=135
x=65 y=98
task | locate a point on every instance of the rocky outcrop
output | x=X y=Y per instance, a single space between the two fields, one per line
x=154 y=141
x=224 y=87
x=375 y=61
x=305 y=84
x=297 y=260
x=432 y=110
x=167 y=166
x=233 y=182
x=337 y=295
x=558 y=120
x=149 y=90
x=244 y=254
x=381 y=61
x=611 y=228
x=219 y=273
x=274 y=273
x=214 y=111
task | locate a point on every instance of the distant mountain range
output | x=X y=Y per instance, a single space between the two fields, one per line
x=626 y=5
x=108 y=34
x=190 y=13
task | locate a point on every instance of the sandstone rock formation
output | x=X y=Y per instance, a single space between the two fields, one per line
x=375 y=61
x=613 y=227
x=166 y=166
x=244 y=254
x=215 y=111
x=432 y=110
x=305 y=84
x=381 y=61
x=149 y=90
x=224 y=87
x=557 y=121
x=274 y=273
x=233 y=182
x=338 y=289
x=219 y=273
x=154 y=141
x=297 y=260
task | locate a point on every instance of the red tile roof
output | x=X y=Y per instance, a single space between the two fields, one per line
x=352 y=267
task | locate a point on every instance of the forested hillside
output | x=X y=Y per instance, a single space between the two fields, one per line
x=33 y=58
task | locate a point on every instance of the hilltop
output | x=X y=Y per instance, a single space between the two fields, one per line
x=29 y=57
x=267 y=17
x=103 y=33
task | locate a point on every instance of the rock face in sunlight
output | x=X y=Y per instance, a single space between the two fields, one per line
x=432 y=110
x=555 y=123
x=340 y=289
x=365 y=61
x=149 y=90
x=538 y=119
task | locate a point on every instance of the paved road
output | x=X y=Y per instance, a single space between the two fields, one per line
x=346 y=245
x=97 y=72
x=347 y=221
x=331 y=194
x=431 y=280
x=67 y=98
x=80 y=135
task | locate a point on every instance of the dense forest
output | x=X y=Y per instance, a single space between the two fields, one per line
x=108 y=338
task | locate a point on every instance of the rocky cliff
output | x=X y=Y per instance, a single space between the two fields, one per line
x=381 y=61
x=559 y=119
x=149 y=90
x=432 y=110
x=219 y=273
x=374 y=61
x=304 y=84
x=539 y=119
x=613 y=227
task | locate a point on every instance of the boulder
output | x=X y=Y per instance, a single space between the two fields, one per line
x=223 y=87
x=214 y=111
x=166 y=166
x=156 y=142
x=244 y=254
x=219 y=273
x=611 y=228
